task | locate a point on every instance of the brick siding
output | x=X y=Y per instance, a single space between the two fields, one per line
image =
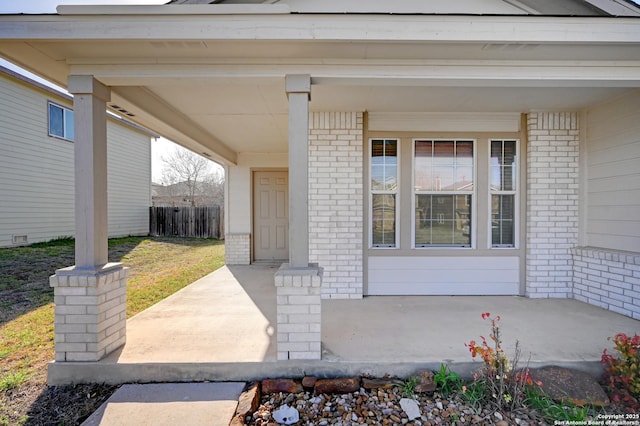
x=90 y=313
x=607 y=278
x=299 y=315
x=237 y=249
x=335 y=201
x=552 y=202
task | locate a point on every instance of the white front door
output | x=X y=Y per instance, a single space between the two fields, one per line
x=271 y=215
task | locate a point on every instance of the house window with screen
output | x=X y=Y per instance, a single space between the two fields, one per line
x=503 y=184
x=384 y=192
x=444 y=191
x=60 y=122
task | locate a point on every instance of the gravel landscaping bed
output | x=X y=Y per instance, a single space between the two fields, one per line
x=382 y=407
x=387 y=405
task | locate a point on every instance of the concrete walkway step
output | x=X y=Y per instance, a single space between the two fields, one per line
x=188 y=404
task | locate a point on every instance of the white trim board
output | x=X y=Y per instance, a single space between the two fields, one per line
x=444 y=122
x=444 y=275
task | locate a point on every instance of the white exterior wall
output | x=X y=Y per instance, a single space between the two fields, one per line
x=607 y=266
x=336 y=201
x=613 y=174
x=552 y=202
x=239 y=221
x=37 y=171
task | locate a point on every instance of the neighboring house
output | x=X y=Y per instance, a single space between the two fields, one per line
x=37 y=166
x=179 y=194
x=381 y=148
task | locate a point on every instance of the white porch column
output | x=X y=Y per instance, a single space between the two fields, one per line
x=299 y=91
x=298 y=282
x=90 y=150
x=90 y=297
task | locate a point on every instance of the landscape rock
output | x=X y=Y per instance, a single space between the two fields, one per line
x=410 y=408
x=339 y=385
x=564 y=384
x=281 y=385
x=369 y=383
x=247 y=404
x=286 y=415
x=427 y=383
x=308 y=382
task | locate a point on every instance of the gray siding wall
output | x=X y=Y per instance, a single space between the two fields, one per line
x=36 y=171
x=613 y=174
x=129 y=180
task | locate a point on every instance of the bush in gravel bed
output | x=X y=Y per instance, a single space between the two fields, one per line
x=622 y=372
x=499 y=382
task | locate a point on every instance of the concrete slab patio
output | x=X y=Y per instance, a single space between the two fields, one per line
x=221 y=328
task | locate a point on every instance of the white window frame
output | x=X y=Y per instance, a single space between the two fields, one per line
x=516 y=199
x=474 y=196
x=65 y=112
x=397 y=192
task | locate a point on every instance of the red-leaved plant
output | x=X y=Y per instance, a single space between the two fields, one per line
x=622 y=372
x=504 y=384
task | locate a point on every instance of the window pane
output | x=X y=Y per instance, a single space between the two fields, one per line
x=383 y=220
x=503 y=165
x=443 y=166
x=422 y=167
x=509 y=166
x=464 y=166
x=56 y=126
x=502 y=220
x=384 y=165
x=443 y=220
x=68 y=125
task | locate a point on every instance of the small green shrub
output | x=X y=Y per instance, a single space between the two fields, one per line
x=447 y=381
x=409 y=388
x=475 y=393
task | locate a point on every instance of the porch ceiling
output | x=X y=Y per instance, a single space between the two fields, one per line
x=223 y=94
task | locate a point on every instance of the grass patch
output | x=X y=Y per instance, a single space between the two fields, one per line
x=552 y=411
x=159 y=268
x=12 y=380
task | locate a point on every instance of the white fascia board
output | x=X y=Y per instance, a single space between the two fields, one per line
x=373 y=73
x=192 y=9
x=400 y=28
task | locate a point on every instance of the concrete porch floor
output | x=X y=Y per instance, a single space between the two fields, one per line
x=221 y=328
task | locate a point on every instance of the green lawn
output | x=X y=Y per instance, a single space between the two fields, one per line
x=159 y=268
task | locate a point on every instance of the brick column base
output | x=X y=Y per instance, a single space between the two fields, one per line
x=237 y=249
x=299 y=312
x=90 y=312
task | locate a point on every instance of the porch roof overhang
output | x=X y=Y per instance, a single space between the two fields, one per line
x=212 y=77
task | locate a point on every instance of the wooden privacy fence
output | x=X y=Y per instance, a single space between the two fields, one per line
x=197 y=222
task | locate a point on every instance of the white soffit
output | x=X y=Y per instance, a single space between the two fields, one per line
x=431 y=7
x=616 y=8
x=444 y=122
